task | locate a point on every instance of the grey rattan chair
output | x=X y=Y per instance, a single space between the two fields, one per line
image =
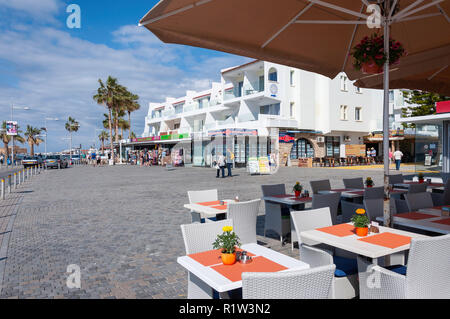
x=395 y=179
x=374 y=208
x=199 y=197
x=317 y=186
x=417 y=188
x=354 y=183
x=418 y=200
x=427 y=273
x=198 y=238
x=244 y=216
x=313 y=283
x=374 y=193
x=444 y=198
x=274 y=212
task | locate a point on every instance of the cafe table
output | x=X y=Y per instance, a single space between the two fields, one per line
x=208 y=267
x=209 y=209
x=433 y=186
x=427 y=219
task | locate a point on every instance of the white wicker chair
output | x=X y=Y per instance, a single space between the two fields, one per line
x=319 y=201
x=427 y=273
x=344 y=286
x=354 y=183
x=244 y=216
x=418 y=200
x=313 y=283
x=273 y=219
x=317 y=186
x=199 y=197
x=198 y=238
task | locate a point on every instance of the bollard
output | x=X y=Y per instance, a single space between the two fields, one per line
x=23 y=176
x=19 y=181
x=9 y=184
x=3 y=189
x=15 y=180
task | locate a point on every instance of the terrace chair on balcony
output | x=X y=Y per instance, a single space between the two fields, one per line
x=417 y=201
x=441 y=199
x=244 y=216
x=198 y=238
x=315 y=283
x=320 y=201
x=200 y=197
x=345 y=283
x=317 y=186
x=357 y=183
x=425 y=277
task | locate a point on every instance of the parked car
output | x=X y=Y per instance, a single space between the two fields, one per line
x=56 y=161
x=29 y=161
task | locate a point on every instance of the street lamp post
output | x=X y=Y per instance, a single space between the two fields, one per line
x=12 y=137
x=46 y=129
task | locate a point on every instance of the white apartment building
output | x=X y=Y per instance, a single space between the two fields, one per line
x=262 y=108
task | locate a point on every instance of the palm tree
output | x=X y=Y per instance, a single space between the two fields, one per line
x=131 y=105
x=72 y=126
x=132 y=135
x=103 y=137
x=32 y=135
x=107 y=95
x=124 y=126
x=6 y=139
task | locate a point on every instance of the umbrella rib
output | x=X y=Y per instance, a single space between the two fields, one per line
x=392 y=9
x=287 y=25
x=337 y=8
x=419 y=9
x=329 y=22
x=351 y=41
x=436 y=73
x=443 y=12
x=411 y=6
x=423 y=16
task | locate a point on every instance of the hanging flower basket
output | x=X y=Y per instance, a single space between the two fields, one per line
x=369 y=56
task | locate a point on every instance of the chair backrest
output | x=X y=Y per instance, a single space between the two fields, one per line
x=428 y=269
x=354 y=183
x=315 y=283
x=446 y=196
x=310 y=219
x=374 y=193
x=418 y=200
x=417 y=188
x=330 y=200
x=395 y=179
x=244 y=216
x=271 y=190
x=317 y=186
x=374 y=208
x=203 y=196
x=400 y=206
x=200 y=237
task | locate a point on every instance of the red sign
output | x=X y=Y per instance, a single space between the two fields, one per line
x=443 y=107
x=287 y=138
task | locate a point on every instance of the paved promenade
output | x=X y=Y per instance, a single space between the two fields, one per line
x=120 y=225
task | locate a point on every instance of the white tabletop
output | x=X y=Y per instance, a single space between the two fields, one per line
x=222 y=284
x=352 y=244
x=424 y=224
x=207 y=211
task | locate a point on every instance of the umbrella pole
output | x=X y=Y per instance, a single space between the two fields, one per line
x=386 y=131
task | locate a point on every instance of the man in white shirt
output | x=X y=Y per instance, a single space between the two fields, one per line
x=398 y=158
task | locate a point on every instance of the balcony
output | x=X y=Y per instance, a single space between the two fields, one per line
x=231 y=94
x=191 y=107
x=253 y=88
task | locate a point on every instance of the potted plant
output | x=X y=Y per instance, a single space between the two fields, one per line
x=361 y=222
x=369 y=182
x=227 y=242
x=369 y=54
x=421 y=178
x=298 y=188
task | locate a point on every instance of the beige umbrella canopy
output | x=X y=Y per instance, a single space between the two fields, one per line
x=318 y=36
x=313 y=35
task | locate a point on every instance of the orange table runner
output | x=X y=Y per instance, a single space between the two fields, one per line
x=302 y=199
x=211 y=257
x=415 y=216
x=220 y=207
x=388 y=240
x=259 y=264
x=217 y=202
x=442 y=221
x=341 y=230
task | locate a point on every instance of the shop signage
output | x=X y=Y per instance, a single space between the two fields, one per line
x=11 y=128
x=286 y=138
x=233 y=132
x=443 y=107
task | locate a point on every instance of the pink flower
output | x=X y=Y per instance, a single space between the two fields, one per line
x=368 y=49
x=379 y=56
x=365 y=55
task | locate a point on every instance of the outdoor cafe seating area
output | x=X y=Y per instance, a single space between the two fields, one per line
x=411 y=260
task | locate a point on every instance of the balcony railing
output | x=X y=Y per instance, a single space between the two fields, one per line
x=229 y=95
x=191 y=107
x=253 y=88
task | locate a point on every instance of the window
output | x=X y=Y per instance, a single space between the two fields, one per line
x=292 y=78
x=358 y=113
x=273 y=75
x=391 y=96
x=261 y=83
x=292 y=110
x=343 y=83
x=333 y=146
x=344 y=112
x=179 y=108
x=204 y=102
x=302 y=149
x=272 y=109
x=176 y=126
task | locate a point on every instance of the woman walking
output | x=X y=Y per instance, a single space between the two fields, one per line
x=220 y=166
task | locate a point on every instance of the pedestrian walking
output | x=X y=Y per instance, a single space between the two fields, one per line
x=398 y=155
x=220 y=166
x=230 y=160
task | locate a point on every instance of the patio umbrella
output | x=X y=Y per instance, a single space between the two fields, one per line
x=312 y=35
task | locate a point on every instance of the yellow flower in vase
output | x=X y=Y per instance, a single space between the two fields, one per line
x=360 y=211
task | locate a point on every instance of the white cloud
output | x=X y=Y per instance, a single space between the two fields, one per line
x=43 y=10
x=56 y=75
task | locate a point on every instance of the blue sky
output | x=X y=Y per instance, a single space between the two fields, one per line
x=53 y=70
